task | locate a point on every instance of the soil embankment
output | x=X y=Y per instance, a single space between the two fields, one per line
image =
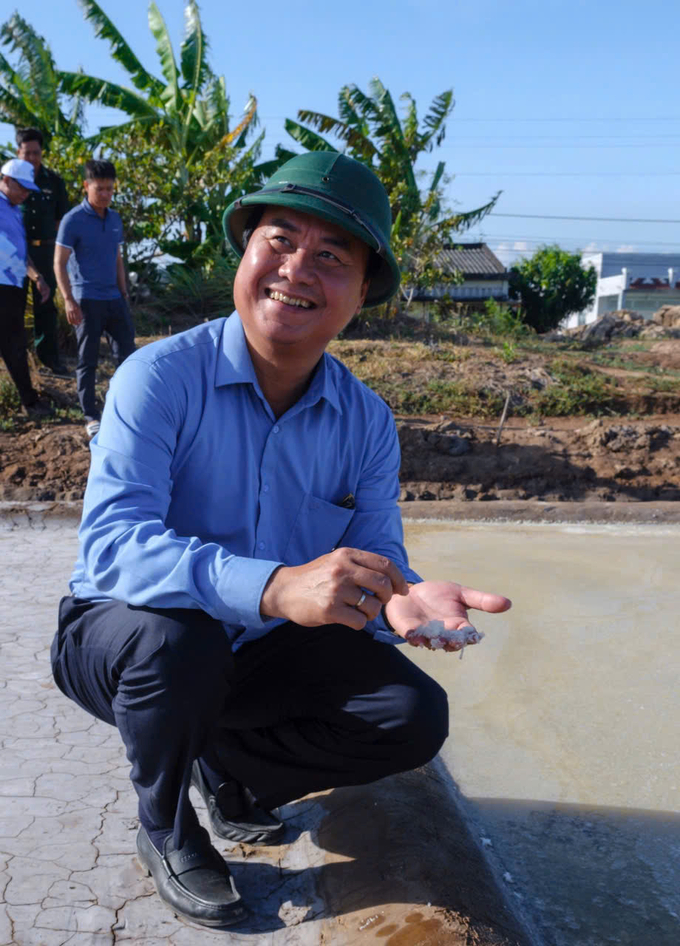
x=586 y=422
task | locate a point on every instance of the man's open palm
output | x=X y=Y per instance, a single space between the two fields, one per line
x=444 y=601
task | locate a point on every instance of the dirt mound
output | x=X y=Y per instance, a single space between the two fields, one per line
x=562 y=460
x=626 y=323
x=448 y=393
x=668 y=316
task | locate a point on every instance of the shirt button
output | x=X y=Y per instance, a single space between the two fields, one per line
x=260 y=545
x=265 y=488
x=276 y=429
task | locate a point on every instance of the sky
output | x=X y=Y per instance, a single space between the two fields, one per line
x=569 y=107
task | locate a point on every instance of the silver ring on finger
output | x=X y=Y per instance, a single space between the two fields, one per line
x=361 y=600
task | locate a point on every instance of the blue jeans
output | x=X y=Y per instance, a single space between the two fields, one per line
x=109 y=317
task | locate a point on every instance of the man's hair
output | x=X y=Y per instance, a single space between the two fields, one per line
x=29 y=134
x=252 y=221
x=254 y=217
x=99 y=170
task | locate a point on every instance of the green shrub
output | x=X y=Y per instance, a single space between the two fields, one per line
x=9 y=398
x=578 y=391
x=191 y=293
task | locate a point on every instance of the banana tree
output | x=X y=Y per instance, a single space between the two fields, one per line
x=369 y=129
x=30 y=93
x=185 y=111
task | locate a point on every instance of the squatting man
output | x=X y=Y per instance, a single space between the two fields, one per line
x=242 y=578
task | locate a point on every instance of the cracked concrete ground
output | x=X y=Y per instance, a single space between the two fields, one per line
x=392 y=863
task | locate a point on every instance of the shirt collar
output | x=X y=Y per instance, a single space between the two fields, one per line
x=88 y=208
x=236 y=367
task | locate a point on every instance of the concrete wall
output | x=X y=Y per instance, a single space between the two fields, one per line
x=615 y=274
x=473 y=289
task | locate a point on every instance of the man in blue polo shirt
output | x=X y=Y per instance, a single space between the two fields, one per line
x=16 y=184
x=88 y=264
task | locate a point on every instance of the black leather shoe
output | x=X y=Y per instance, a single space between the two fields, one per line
x=252 y=824
x=195 y=881
x=61 y=371
x=36 y=410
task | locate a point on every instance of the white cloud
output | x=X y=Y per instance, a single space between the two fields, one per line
x=508 y=251
x=626 y=248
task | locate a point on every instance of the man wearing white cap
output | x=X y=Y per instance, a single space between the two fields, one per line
x=16 y=184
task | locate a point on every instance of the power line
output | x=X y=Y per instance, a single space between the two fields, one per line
x=498 y=137
x=589 y=219
x=500 y=146
x=566 y=174
x=454 y=118
x=492 y=237
x=663 y=118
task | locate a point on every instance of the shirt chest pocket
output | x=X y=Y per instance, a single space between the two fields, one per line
x=318 y=528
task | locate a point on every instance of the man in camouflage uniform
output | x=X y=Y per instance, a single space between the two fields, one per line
x=42 y=212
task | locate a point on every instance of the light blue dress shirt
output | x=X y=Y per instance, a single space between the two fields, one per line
x=197 y=492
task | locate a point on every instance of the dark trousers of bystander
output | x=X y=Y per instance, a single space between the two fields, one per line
x=300 y=710
x=13 y=341
x=108 y=317
x=45 y=318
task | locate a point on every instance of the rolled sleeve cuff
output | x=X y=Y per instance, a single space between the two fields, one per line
x=379 y=632
x=241 y=588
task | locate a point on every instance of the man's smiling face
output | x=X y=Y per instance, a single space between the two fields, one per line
x=300 y=281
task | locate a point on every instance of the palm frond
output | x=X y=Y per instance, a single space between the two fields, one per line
x=263 y=171
x=410 y=124
x=361 y=103
x=194 y=50
x=437 y=176
x=15 y=79
x=389 y=125
x=356 y=140
x=348 y=114
x=39 y=69
x=165 y=54
x=120 y=50
x=250 y=121
x=108 y=132
x=306 y=137
x=107 y=93
x=441 y=108
x=463 y=221
x=14 y=111
x=216 y=104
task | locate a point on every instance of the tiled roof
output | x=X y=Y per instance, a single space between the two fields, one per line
x=471 y=259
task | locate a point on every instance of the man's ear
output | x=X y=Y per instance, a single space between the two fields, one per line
x=364 y=290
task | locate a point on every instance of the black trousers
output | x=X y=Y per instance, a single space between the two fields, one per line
x=109 y=317
x=45 y=318
x=297 y=711
x=13 y=341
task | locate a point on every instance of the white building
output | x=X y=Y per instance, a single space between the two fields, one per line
x=639 y=281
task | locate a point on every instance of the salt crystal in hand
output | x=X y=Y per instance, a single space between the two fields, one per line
x=438 y=636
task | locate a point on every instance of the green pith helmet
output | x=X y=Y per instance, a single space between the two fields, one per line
x=336 y=188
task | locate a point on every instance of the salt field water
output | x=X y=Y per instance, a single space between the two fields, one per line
x=564 y=720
